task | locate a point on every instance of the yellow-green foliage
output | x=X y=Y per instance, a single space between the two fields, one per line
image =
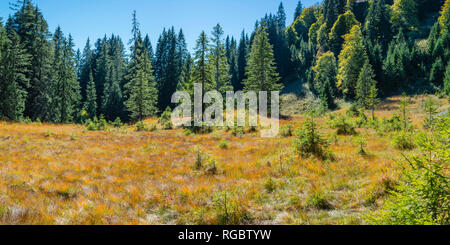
x=422 y=197
x=81 y=177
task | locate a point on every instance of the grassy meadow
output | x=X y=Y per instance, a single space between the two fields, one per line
x=67 y=174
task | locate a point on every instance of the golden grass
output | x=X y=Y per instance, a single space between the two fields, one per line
x=63 y=174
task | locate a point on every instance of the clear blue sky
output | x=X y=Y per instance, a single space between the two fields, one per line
x=95 y=18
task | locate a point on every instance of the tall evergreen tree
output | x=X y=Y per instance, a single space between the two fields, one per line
x=364 y=84
x=167 y=67
x=342 y=26
x=86 y=68
x=90 y=105
x=29 y=23
x=14 y=62
x=447 y=80
x=325 y=78
x=351 y=61
x=243 y=49
x=281 y=17
x=404 y=15
x=65 y=90
x=201 y=72
x=261 y=69
x=378 y=27
x=298 y=10
x=143 y=95
x=217 y=62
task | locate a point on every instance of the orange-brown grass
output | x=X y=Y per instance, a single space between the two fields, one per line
x=64 y=174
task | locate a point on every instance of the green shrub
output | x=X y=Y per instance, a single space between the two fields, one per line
x=392 y=124
x=343 y=125
x=353 y=111
x=141 y=126
x=117 y=123
x=223 y=144
x=318 y=200
x=309 y=141
x=238 y=131
x=403 y=141
x=96 y=124
x=287 y=131
x=361 y=142
x=270 y=185
x=166 y=119
x=422 y=195
x=230 y=209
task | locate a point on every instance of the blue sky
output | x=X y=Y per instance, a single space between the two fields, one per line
x=95 y=18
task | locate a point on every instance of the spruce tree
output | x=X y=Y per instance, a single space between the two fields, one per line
x=86 y=67
x=242 y=61
x=351 y=61
x=372 y=99
x=14 y=62
x=233 y=63
x=90 y=105
x=325 y=78
x=298 y=10
x=404 y=15
x=364 y=84
x=342 y=26
x=201 y=72
x=447 y=80
x=65 y=91
x=378 y=27
x=444 y=18
x=29 y=23
x=217 y=62
x=261 y=69
x=143 y=96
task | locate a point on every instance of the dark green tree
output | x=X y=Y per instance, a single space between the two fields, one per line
x=261 y=68
x=14 y=62
x=90 y=105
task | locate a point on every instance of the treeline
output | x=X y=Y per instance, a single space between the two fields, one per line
x=357 y=50
x=353 y=49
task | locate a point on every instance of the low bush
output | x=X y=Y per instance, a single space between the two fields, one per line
x=343 y=125
x=230 y=209
x=166 y=119
x=309 y=141
x=287 y=131
x=403 y=141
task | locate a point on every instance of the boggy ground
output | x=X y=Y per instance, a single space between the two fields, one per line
x=64 y=174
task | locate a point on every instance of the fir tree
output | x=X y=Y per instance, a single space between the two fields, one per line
x=90 y=105
x=342 y=26
x=86 y=68
x=14 y=62
x=201 y=72
x=325 y=78
x=65 y=88
x=351 y=60
x=404 y=15
x=261 y=69
x=378 y=27
x=372 y=99
x=242 y=61
x=217 y=62
x=29 y=23
x=447 y=80
x=143 y=96
x=364 y=85
x=298 y=10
